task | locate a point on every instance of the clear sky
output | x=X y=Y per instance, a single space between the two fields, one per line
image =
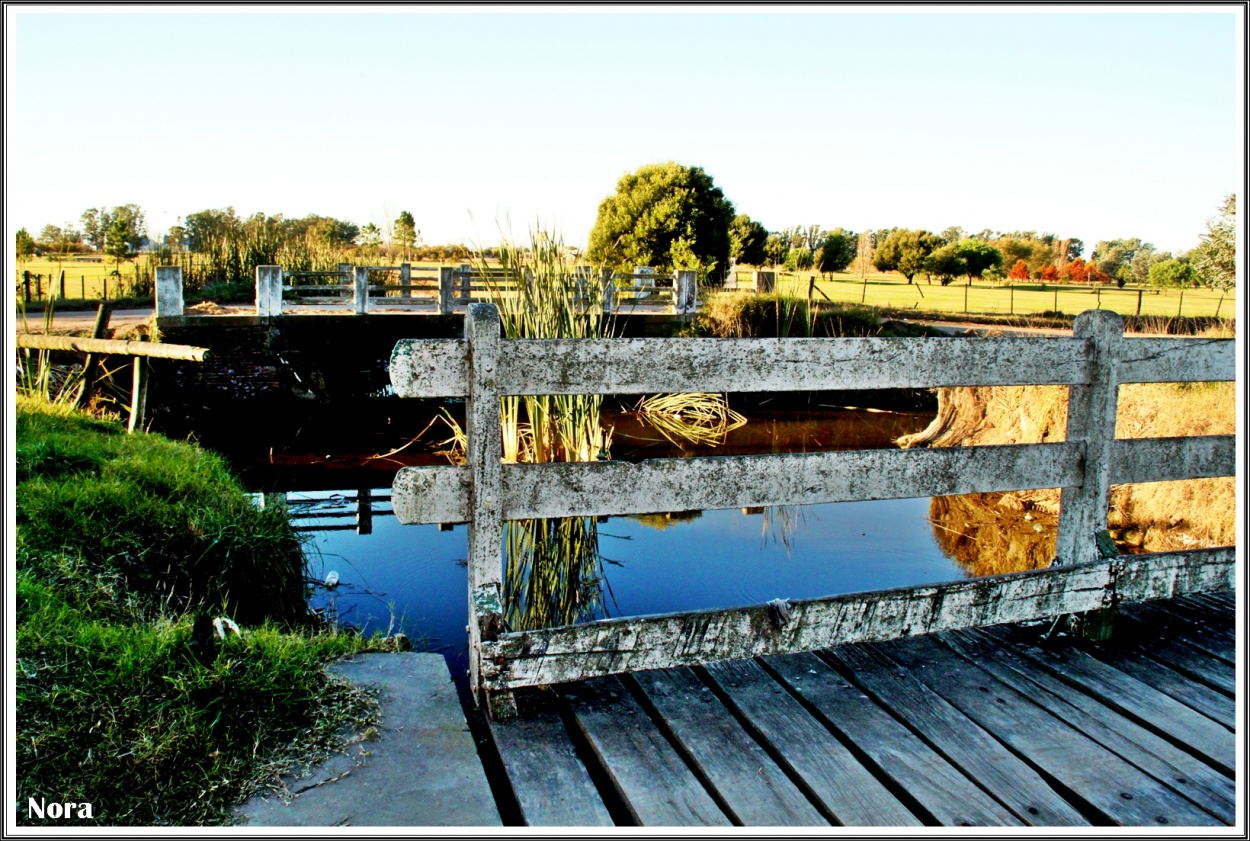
x=1090 y=123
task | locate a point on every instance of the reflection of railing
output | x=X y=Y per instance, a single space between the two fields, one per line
x=310 y=514
x=1093 y=362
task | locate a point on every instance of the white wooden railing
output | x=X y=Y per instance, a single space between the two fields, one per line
x=1093 y=362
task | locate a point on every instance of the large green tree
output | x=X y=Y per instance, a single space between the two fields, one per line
x=1172 y=273
x=654 y=207
x=945 y=263
x=977 y=256
x=747 y=240
x=25 y=245
x=904 y=251
x=405 y=233
x=98 y=223
x=837 y=250
x=1215 y=258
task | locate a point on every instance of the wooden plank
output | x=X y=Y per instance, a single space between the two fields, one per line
x=154 y=350
x=918 y=773
x=1180 y=771
x=1214 y=705
x=642 y=366
x=1163 y=575
x=440 y=494
x=1102 y=780
x=1177 y=654
x=808 y=749
x=430 y=368
x=718 y=482
x=754 y=789
x=1217 y=643
x=652 y=780
x=1163 y=459
x=1168 y=360
x=609 y=646
x=1169 y=718
x=963 y=743
x=1214 y=605
x=550 y=782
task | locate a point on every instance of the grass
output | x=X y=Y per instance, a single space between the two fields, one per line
x=126 y=546
x=736 y=315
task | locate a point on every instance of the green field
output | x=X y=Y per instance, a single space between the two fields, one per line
x=893 y=291
x=84 y=279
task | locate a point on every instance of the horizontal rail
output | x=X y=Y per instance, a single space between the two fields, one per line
x=441 y=494
x=1155 y=360
x=154 y=350
x=612 y=646
x=1166 y=459
x=639 y=366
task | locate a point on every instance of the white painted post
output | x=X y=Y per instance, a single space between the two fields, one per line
x=361 y=290
x=446 y=289
x=484 y=451
x=405 y=279
x=268 y=291
x=685 y=289
x=168 y=291
x=609 y=291
x=1091 y=421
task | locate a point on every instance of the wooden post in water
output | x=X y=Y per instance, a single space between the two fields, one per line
x=446 y=289
x=484 y=433
x=364 y=512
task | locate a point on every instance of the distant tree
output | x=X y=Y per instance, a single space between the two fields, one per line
x=945 y=263
x=798 y=259
x=952 y=234
x=1215 y=258
x=1072 y=249
x=652 y=208
x=1076 y=271
x=1114 y=258
x=370 y=238
x=904 y=251
x=176 y=238
x=1172 y=273
x=1139 y=267
x=1019 y=272
x=836 y=251
x=1050 y=273
x=404 y=232
x=117 y=241
x=25 y=245
x=775 y=249
x=977 y=256
x=92 y=227
x=747 y=241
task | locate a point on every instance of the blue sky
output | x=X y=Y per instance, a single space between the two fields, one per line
x=1122 y=123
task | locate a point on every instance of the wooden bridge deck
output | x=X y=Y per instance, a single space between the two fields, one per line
x=970 y=728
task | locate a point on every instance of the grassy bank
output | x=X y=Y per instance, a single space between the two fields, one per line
x=127 y=548
x=738 y=315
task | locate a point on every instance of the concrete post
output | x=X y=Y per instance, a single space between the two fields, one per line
x=446 y=289
x=405 y=279
x=466 y=282
x=268 y=291
x=648 y=280
x=484 y=432
x=1091 y=420
x=765 y=281
x=685 y=290
x=361 y=290
x=168 y=291
x=609 y=291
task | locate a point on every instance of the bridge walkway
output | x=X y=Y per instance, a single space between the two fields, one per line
x=1000 y=726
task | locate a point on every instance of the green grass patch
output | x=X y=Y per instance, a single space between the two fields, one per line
x=126 y=546
x=781 y=315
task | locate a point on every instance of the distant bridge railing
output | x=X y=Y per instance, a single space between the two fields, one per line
x=1085 y=576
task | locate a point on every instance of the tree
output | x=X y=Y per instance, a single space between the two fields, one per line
x=952 y=234
x=370 y=238
x=405 y=232
x=25 y=245
x=775 y=249
x=798 y=259
x=1146 y=256
x=977 y=256
x=1114 y=257
x=946 y=263
x=1019 y=272
x=117 y=241
x=747 y=241
x=1050 y=273
x=655 y=206
x=91 y=227
x=1172 y=273
x=1215 y=258
x=209 y=226
x=836 y=251
x=904 y=251
x=1076 y=271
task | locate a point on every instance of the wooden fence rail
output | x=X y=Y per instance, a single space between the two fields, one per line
x=1092 y=363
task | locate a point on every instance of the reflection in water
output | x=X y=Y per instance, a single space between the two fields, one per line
x=553 y=573
x=994 y=533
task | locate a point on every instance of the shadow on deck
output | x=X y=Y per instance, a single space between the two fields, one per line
x=990 y=727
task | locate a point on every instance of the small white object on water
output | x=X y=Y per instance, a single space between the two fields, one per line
x=223 y=622
x=332 y=579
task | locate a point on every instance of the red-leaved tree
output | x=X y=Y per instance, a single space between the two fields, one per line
x=1020 y=271
x=1050 y=272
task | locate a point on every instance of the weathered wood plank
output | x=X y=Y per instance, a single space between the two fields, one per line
x=754 y=789
x=1164 y=575
x=152 y=350
x=654 y=782
x=849 y=791
x=1176 y=653
x=1180 y=771
x=1162 y=459
x=430 y=368
x=560 y=489
x=1213 y=605
x=1214 y=705
x=1169 y=718
x=550 y=782
x=556 y=655
x=1168 y=360
x=961 y=741
x=1219 y=643
x=440 y=494
x=1085 y=768
x=937 y=788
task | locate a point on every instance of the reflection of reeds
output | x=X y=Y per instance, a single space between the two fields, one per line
x=992 y=533
x=700 y=418
x=554 y=574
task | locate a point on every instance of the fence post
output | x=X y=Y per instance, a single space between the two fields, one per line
x=1181 y=303
x=361 y=296
x=446 y=289
x=364 y=512
x=1139 y=302
x=466 y=282
x=138 y=395
x=26 y=283
x=685 y=290
x=483 y=452
x=1091 y=420
x=609 y=291
x=405 y=279
x=168 y=291
x=268 y=291
x=62 y=283
x=765 y=281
